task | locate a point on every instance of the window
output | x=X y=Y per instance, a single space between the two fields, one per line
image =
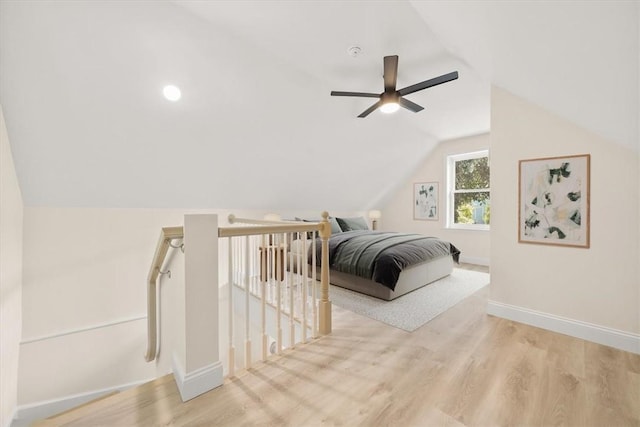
x=468 y=192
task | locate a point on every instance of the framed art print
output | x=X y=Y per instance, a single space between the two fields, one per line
x=554 y=201
x=425 y=201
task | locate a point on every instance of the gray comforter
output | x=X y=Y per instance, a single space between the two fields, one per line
x=381 y=256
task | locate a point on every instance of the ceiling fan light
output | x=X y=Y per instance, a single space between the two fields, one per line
x=390 y=107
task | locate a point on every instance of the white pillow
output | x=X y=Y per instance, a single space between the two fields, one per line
x=298 y=245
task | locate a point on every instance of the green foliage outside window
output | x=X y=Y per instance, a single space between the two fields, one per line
x=464 y=214
x=472 y=174
x=487 y=215
x=472 y=207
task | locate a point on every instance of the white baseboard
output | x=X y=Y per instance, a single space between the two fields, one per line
x=200 y=381
x=474 y=260
x=587 y=331
x=47 y=408
x=14 y=415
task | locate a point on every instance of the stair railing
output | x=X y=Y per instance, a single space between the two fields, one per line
x=276 y=268
x=264 y=266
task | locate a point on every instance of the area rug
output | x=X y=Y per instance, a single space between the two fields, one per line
x=416 y=308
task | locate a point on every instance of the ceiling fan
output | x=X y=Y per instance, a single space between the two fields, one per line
x=391 y=99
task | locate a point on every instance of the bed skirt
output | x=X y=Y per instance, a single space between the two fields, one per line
x=410 y=279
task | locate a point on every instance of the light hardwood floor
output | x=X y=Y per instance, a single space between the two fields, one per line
x=462 y=368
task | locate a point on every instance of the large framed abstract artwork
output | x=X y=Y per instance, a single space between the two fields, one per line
x=554 y=201
x=425 y=201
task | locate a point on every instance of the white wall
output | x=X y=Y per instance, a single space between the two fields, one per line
x=11 y=209
x=85 y=268
x=397 y=215
x=638 y=122
x=599 y=285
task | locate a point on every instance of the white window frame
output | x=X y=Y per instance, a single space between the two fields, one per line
x=451 y=176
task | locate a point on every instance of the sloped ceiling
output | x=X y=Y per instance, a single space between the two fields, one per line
x=80 y=85
x=578 y=59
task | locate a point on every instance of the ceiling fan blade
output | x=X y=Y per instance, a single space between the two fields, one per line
x=412 y=106
x=360 y=94
x=390 y=73
x=370 y=110
x=428 y=83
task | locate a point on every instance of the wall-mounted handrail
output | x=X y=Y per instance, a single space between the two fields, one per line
x=167 y=234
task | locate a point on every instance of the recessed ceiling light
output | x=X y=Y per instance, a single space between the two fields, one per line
x=171 y=92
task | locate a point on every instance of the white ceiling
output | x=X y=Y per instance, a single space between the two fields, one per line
x=80 y=85
x=578 y=59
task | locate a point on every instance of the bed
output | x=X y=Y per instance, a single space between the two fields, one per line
x=385 y=265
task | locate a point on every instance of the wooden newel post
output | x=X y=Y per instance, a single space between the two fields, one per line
x=324 y=304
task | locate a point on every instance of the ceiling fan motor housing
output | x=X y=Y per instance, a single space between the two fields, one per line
x=390 y=97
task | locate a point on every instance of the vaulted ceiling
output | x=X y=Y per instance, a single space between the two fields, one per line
x=81 y=82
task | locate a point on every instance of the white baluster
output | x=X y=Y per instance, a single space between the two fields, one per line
x=230 y=276
x=247 y=295
x=292 y=325
x=303 y=271
x=314 y=283
x=277 y=257
x=263 y=297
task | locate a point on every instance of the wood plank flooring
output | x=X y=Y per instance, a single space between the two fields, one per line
x=464 y=368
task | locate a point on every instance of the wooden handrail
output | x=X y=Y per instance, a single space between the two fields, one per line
x=162 y=248
x=268 y=227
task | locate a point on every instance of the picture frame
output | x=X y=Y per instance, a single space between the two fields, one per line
x=554 y=200
x=426 y=206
